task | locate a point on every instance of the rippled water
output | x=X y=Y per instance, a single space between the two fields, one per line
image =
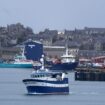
x=13 y=91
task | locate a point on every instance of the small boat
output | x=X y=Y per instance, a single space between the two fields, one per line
x=44 y=81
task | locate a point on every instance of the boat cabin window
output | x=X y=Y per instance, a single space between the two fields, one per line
x=40 y=75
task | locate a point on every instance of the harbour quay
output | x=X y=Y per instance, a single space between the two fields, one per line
x=89 y=74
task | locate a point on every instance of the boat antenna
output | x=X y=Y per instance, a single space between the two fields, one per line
x=66 y=45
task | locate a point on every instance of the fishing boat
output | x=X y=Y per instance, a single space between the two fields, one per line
x=47 y=82
x=19 y=62
x=68 y=62
x=30 y=53
x=44 y=81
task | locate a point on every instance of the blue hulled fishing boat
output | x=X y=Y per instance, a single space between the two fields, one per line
x=47 y=82
x=68 y=62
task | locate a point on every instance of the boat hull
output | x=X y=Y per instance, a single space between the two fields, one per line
x=46 y=90
x=4 y=65
x=47 y=87
x=62 y=66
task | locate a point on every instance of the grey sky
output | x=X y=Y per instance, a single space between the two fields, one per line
x=53 y=14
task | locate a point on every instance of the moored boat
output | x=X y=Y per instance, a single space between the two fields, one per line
x=68 y=62
x=19 y=62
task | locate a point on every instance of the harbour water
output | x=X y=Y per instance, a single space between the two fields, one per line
x=13 y=91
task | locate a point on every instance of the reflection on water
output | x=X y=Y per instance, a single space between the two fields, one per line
x=13 y=91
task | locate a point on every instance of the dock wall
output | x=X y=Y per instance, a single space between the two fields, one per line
x=90 y=75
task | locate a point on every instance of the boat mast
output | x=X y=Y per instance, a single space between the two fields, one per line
x=42 y=61
x=66 y=45
x=23 y=56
